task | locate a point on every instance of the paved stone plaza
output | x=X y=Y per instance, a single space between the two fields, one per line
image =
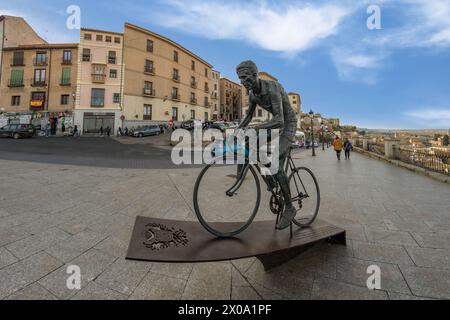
x=54 y=215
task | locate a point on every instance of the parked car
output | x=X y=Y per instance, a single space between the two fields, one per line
x=190 y=124
x=150 y=130
x=17 y=131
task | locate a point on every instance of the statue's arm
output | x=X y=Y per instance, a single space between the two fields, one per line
x=277 y=122
x=249 y=116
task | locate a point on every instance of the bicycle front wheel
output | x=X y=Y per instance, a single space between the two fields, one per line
x=220 y=212
x=305 y=194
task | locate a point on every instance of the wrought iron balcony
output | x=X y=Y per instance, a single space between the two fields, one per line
x=149 y=92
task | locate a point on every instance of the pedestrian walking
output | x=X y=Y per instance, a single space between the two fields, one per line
x=338 y=146
x=75 y=131
x=101 y=131
x=348 y=148
x=63 y=128
x=108 y=131
x=48 y=129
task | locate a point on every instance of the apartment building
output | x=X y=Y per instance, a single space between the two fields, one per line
x=99 y=92
x=163 y=80
x=39 y=79
x=15 y=31
x=296 y=103
x=230 y=100
x=215 y=95
x=260 y=114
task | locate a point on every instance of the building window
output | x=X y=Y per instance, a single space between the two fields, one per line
x=37 y=100
x=148 y=88
x=193 y=82
x=112 y=57
x=117 y=40
x=39 y=76
x=260 y=113
x=16 y=78
x=175 y=56
x=175 y=95
x=98 y=98
x=193 y=65
x=193 y=99
x=148 y=66
x=149 y=45
x=87 y=36
x=108 y=39
x=206 y=116
x=206 y=72
x=98 y=73
x=41 y=58
x=206 y=87
x=99 y=37
x=65 y=99
x=148 y=112
x=174 y=114
x=116 y=98
x=65 y=79
x=175 y=75
x=15 y=101
x=18 y=58
x=67 y=57
x=86 y=55
x=113 y=74
x=192 y=114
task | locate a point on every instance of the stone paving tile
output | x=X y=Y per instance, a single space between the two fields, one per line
x=438 y=240
x=116 y=245
x=94 y=291
x=158 y=287
x=25 y=272
x=265 y=293
x=338 y=250
x=432 y=258
x=329 y=289
x=244 y=293
x=6 y=258
x=354 y=271
x=32 y=292
x=398 y=238
x=176 y=270
x=237 y=280
x=74 y=246
x=124 y=276
x=427 y=282
x=406 y=225
x=209 y=281
x=31 y=245
x=286 y=284
x=355 y=232
x=243 y=264
x=381 y=253
x=91 y=263
x=441 y=224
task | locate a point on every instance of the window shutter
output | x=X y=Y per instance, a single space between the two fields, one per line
x=17 y=77
x=66 y=76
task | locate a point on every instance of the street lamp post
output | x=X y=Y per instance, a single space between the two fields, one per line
x=311 y=113
x=323 y=138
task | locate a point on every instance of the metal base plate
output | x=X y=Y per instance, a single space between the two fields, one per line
x=160 y=240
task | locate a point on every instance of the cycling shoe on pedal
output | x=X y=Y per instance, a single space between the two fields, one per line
x=287 y=218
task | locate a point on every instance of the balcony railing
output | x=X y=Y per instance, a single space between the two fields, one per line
x=149 y=92
x=40 y=61
x=176 y=77
x=111 y=60
x=194 y=84
x=176 y=97
x=206 y=89
x=38 y=83
x=65 y=82
x=149 y=70
x=194 y=101
x=438 y=161
x=66 y=62
x=17 y=63
x=15 y=83
x=86 y=57
x=207 y=104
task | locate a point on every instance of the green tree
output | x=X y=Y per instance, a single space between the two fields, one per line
x=446 y=141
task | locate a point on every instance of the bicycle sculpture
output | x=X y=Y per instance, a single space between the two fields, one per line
x=295 y=193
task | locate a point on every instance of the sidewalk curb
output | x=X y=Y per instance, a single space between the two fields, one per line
x=433 y=175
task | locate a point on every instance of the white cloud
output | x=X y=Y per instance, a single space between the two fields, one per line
x=289 y=29
x=431 y=117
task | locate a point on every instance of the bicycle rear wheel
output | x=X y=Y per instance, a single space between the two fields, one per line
x=220 y=212
x=305 y=194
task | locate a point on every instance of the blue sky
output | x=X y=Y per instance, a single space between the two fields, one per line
x=395 y=77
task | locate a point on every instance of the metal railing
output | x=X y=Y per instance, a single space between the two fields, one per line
x=149 y=92
x=438 y=161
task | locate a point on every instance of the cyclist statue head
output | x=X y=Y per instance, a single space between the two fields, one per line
x=272 y=97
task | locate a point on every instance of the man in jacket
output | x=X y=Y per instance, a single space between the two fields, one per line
x=338 y=146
